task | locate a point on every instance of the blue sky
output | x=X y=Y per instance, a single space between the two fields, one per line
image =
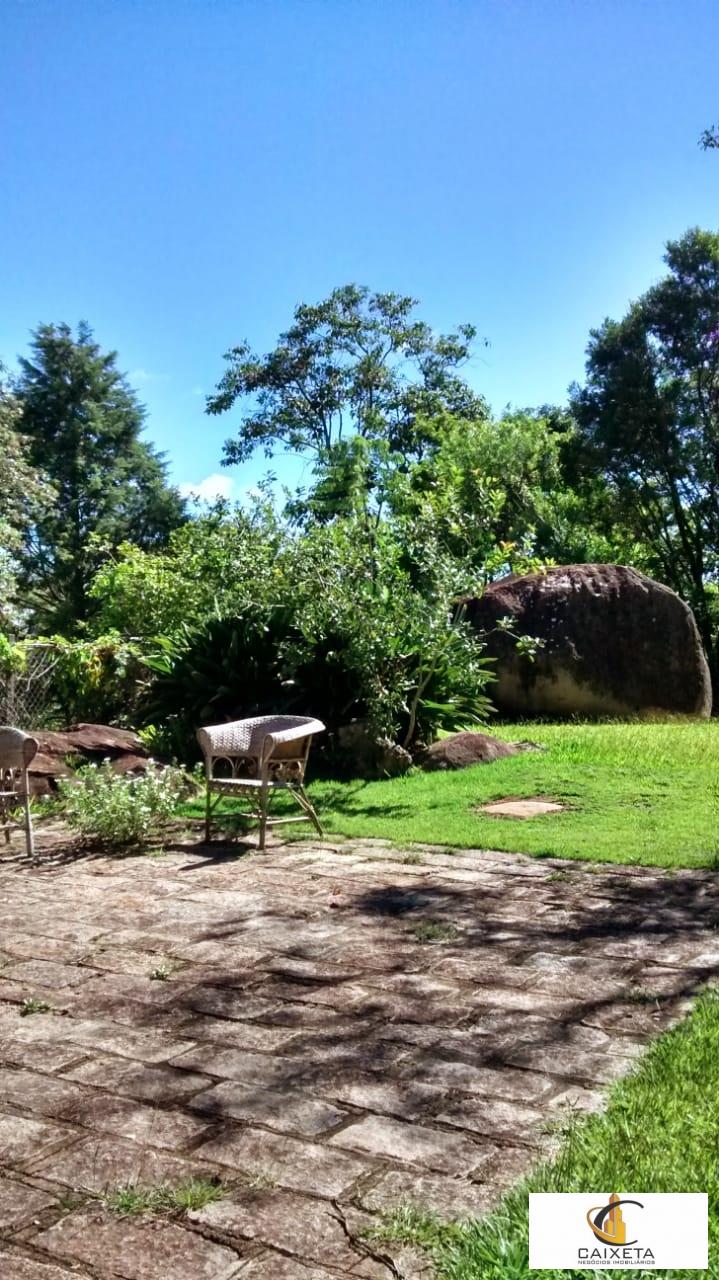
x=180 y=173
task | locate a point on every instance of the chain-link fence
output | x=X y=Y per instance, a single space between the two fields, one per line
x=26 y=696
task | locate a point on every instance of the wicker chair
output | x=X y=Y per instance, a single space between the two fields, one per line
x=17 y=750
x=257 y=758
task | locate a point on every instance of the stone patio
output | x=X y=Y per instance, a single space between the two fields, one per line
x=343 y=1028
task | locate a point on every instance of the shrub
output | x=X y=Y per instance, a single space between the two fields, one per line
x=216 y=564
x=353 y=620
x=114 y=809
x=408 y=674
x=226 y=668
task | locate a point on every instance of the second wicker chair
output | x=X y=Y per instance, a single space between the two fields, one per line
x=256 y=758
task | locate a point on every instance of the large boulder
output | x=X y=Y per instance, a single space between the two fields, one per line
x=614 y=643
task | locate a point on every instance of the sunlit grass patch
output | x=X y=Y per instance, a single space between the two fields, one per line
x=641 y=793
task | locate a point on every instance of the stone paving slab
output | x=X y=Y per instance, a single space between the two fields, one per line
x=19 y=1203
x=114 y=1246
x=305 y=1045
x=19 y=1266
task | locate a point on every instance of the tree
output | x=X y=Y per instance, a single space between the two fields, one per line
x=649 y=418
x=24 y=494
x=709 y=140
x=357 y=366
x=83 y=423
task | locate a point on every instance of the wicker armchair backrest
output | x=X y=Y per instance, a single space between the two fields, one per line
x=17 y=750
x=288 y=736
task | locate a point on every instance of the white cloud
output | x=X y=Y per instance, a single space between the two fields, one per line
x=209 y=489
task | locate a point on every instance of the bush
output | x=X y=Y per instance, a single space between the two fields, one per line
x=408 y=675
x=354 y=620
x=114 y=809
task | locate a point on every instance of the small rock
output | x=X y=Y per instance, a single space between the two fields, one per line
x=463 y=749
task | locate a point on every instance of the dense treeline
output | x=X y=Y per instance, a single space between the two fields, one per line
x=338 y=599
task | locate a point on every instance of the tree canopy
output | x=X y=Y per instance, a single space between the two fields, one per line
x=358 y=365
x=419 y=496
x=83 y=424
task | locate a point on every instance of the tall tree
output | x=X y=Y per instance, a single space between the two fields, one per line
x=25 y=494
x=83 y=423
x=649 y=416
x=358 y=366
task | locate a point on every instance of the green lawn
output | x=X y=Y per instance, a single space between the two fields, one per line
x=636 y=793
x=659 y=1133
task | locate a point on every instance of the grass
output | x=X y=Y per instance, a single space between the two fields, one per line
x=433 y=931
x=660 y=1133
x=195 y=1193
x=33 y=1005
x=636 y=793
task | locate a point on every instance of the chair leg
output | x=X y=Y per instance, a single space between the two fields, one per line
x=263 y=818
x=311 y=812
x=208 y=816
x=29 y=838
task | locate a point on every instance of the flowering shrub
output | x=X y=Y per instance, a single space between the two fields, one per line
x=117 y=809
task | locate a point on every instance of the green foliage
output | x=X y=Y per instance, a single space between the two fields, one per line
x=214 y=566
x=224 y=667
x=486 y=488
x=32 y=1005
x=345 y=633
x=345 y=606
x=83 y=425
x=511 y=496
x=95 y=680
x=672 y=1100
x=25 y=494
x=13 y=656
x=387 y=621
x=431 y=931
x=115 y=809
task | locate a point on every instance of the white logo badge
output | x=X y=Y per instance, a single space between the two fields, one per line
x=628 y=1229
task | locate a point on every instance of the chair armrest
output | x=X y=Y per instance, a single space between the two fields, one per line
x=296 y=732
